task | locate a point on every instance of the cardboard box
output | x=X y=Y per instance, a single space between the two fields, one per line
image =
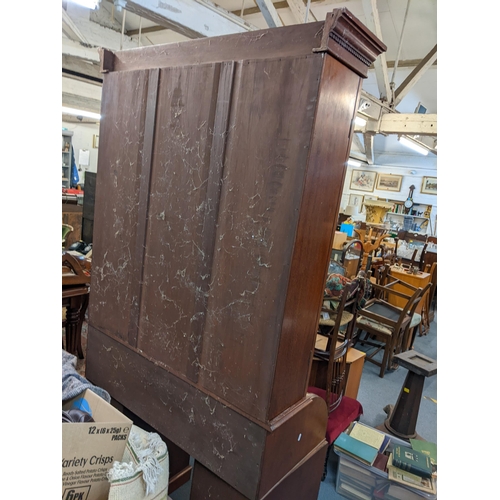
x=89 y=449
x=338 y=240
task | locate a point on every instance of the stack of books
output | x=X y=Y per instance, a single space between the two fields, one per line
x=383 y=467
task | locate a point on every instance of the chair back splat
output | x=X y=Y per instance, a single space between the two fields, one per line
x=336 y=323
x=386 y=326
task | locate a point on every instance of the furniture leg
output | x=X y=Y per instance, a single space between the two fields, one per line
x=81 y=319
x=72 y=319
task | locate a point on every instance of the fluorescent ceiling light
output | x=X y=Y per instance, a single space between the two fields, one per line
x=89 y=4
x=360 y=121
x=79 y=112
x=353 y=163
x=413 y=145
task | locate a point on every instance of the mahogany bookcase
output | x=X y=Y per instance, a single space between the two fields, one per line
x=221 y=168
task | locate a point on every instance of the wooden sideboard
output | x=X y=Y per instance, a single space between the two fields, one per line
x=221 y=169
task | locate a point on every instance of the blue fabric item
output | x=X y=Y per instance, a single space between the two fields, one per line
x=75 y=178
x=73 y=384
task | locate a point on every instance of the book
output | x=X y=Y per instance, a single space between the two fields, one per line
x=367 y=435
x=408 y=479
x=410 y=460
x=425 y=447
x=356 y=449
x=381 y=462
x=395 y=492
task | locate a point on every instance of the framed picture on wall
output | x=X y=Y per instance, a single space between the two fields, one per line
x=389 y=182
x=356 y=200
x=429 y=185
x=363 y=180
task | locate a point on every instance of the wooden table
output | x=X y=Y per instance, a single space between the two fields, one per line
x=419 y=280
x=75 y=299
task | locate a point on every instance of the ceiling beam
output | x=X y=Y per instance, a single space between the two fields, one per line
x=356 y=141
x=380 y=64
x=80 y=51
x=368 y=139
x=299 y=11
x=268 y=10
x=401 y=123
x=70 y=29
x=191 y=18
x=79 y=102
x=145 y=31
x=80 y=69
x=415 y=76
x=95 y=34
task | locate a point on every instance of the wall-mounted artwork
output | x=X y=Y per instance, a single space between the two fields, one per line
x=356 y=200
x=389 y=182
x=363 y=180
x=429 y=185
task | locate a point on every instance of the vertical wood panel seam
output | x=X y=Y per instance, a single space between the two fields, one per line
x=216 y=170
x=144 y=189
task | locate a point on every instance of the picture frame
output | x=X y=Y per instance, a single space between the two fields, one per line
x=389 y=182
x=95 y=141
x=356 y=200
x=363 y=180
x=429 y=185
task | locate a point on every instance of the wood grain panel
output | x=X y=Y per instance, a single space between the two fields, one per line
x=117 y=196
x=222 y=439
x=179 y=245
x=301 y=483
x=329 y=152
x=296 y=40
x=273 y=106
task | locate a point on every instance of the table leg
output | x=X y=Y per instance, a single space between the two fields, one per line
x=72 y=320
x=81 y=318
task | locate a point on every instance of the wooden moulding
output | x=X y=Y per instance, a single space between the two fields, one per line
x=341 y=35
x=350 y=41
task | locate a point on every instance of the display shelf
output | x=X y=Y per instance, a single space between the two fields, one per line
x=67 y=143
x=407 y=215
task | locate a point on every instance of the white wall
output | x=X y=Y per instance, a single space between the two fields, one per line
x=408 y=180
x=83 y=135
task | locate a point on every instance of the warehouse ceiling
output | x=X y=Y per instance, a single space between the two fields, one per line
x=401 y=80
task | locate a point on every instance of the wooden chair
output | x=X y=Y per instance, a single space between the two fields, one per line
x=352 y=257
x=384 y=324
x=429 y=299
x=420 y=241
x=342 y=410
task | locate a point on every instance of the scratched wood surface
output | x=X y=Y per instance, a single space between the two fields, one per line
x=219 y=183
